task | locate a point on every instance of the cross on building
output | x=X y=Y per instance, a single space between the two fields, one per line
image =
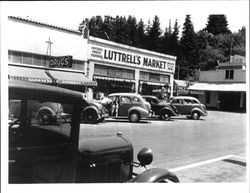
x=48 y=52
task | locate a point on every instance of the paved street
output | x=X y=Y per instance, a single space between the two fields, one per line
x=181 y=141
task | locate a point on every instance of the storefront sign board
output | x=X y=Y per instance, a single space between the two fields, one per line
x=132 y=59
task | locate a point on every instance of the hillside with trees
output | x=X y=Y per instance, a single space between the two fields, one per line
x=195 y=51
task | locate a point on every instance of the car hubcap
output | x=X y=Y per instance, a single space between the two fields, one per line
x=195 y=116
x=166 y=117
x=134 y=117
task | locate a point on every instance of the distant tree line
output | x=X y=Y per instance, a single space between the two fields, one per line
x=195 y=51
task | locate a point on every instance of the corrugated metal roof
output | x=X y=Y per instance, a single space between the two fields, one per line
x=44 y=24
x=234 y=87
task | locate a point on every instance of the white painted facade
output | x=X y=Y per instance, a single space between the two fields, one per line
x=219 y=76
x=27 y=36
x=31 y=37
x=237 y=64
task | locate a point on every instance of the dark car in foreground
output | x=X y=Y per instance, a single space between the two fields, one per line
x=54 y=153
x=161 y=109
x=190 y=106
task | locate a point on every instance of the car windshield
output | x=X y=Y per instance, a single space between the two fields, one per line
x=35 y=123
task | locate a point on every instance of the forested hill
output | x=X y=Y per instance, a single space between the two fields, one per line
x=194 y=50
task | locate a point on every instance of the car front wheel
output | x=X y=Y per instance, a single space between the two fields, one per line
x=90 y=116
x=165 y=116
x=196 y=115
x=134 y=117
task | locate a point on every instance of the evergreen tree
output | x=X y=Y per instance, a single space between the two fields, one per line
x=188 y=58
x=174 y=39
x=165 y=42
x=132 y=31
x=153 y=35
x=217 y=24
x=141 y=34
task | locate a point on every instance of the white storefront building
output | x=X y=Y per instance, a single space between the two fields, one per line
x=121 y=68
x=49 y=54
x=224 y=88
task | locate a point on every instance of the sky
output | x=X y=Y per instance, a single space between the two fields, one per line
x=69 y=14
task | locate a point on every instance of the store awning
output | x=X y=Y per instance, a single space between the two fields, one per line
x=113 y=79
x=30 y=74
x=70 y=77
x=234 y=87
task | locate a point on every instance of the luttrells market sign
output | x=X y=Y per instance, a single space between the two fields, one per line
x=131 y=59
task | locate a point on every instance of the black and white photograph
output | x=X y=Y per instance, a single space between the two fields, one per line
x=125 y=96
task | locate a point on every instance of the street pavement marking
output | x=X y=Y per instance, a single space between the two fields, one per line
x=204 y=163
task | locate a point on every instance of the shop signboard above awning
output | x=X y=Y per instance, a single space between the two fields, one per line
x=153 y=83
x=32 y=74
x=113 y=79
x=70 y=77
x=233 y=87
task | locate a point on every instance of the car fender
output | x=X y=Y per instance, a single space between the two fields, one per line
x=141 y=111
x=91 y=108
x=199 y=110
x=155 y=175
x=168 y=109
x=45 y=108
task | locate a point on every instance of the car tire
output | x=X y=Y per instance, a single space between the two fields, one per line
x=44 y=117
x=90 y=116
x=134 y=117
x=165 y=116
x=195 y=115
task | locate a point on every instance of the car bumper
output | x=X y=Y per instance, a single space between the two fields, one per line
x=104 y=115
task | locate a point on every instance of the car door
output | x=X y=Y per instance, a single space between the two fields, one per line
x=178 y=103
x=124 y=105
x=187 y=106
x=154 y=106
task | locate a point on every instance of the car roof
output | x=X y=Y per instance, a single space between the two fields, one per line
x=125 y=94
x=23 y=89
x=184 y=97
x=149 y=96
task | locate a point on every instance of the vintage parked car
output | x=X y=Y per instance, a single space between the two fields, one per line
x=161 y=109
x=50 y=153
x=190 y=106
x=45 y=112
x=94 y=112
x=130 y=105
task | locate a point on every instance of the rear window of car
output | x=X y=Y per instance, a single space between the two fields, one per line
x=125 y=99
x=188 y=101
x=136 y=99
x=195 y=102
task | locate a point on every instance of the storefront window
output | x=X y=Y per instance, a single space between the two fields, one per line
x=16 y=57
x=78 y=65
x=113 y=72
x=27 y=58
x=154 y=77
x=37 y=60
